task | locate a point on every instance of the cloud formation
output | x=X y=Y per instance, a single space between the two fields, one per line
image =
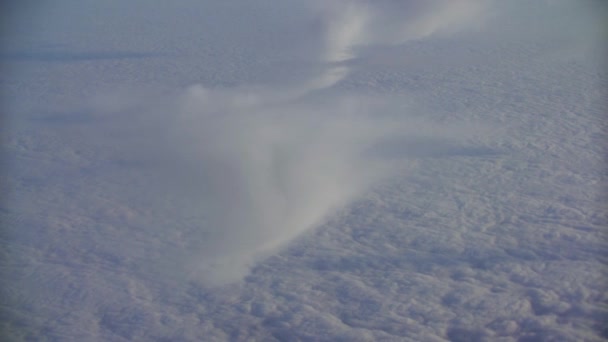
x=267 y=172
x=262 y=164
x=349 y=25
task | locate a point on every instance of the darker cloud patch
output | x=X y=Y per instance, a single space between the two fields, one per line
x=71 y=56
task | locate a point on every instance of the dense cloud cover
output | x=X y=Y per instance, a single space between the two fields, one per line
x=357 y=170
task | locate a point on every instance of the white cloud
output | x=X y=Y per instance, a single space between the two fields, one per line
x=266 y=172
x=348 y=25
x=359 y=22
x=258 y=170
x=264 y=164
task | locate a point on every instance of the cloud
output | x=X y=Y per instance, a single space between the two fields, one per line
x=351 y=25
x=260 y=165
x=257 y=173
x=362 y=22
x=266 y=172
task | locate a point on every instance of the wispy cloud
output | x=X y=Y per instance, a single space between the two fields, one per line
x=265 y=163
x=355 y=24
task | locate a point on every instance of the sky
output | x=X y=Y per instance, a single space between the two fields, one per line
x=304 y=170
